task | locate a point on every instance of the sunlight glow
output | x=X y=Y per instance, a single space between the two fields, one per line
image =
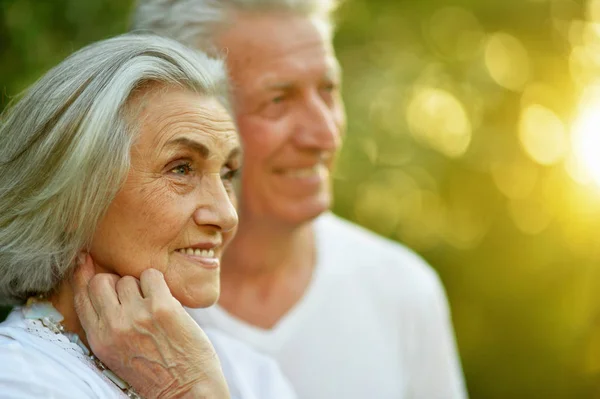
x=586 y=138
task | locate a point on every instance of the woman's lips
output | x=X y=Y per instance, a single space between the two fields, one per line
x=205 y=257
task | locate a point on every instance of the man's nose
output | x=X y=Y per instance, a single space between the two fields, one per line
x=319 y=127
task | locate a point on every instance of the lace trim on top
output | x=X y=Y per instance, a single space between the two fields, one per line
x=35 y=327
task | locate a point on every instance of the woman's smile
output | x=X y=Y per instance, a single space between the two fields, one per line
x=175 y=211
x=206 y=255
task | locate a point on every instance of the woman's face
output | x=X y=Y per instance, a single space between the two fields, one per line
x=175 y=212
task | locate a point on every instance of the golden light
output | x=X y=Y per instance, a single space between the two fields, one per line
x=507 y=61
x=529 y=216
x=585 y=137
x=438 y=119
x=543 y=94
x=542 y=135
x=515 y=176
x=593 y=10
x=576 y=170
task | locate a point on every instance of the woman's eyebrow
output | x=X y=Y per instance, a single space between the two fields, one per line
x=200 y=148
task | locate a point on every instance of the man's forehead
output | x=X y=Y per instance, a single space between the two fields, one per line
x=275 y=38
x=284 y=78
x=286 y=65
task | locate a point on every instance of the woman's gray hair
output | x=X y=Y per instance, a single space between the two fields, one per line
x=64 y=151
x=196 y=23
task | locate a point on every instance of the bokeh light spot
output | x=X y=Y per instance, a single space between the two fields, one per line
x=387 y=198
x=515 y=176
x=542 y=134
x=438 y=119
x=456 y=33
x=421 y=230
x=586 y=135
x=529 y=216
x=507 y=61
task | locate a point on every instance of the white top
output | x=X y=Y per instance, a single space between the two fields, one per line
x=37 y=363
x=374 y=323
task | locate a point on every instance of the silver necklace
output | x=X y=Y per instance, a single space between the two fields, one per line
x=39 y=308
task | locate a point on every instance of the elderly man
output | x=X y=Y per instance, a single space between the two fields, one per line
x=346 y=313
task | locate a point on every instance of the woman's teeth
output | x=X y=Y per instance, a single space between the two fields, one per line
x=205 y=253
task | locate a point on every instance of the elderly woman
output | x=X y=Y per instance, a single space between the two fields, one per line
x=116 y=198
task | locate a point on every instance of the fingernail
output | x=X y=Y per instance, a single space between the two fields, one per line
x=81 y=258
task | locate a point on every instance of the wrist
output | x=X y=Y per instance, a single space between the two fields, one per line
x=211 y=385
x=207 y=390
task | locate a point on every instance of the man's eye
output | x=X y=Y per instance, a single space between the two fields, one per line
x=329 y=87
x=182 y=169
x=278 y=99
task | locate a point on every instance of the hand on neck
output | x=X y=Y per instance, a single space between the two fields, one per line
x=63 y=299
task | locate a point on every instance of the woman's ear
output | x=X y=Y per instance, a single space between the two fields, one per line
x=98 y=268
x=85 y=256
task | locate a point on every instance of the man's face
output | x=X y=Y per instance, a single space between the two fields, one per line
x=285 y=80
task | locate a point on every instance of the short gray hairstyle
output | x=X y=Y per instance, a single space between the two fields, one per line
x=65 y=151
x=196 y=23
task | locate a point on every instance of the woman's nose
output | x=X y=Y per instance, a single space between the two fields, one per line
x=215 y=206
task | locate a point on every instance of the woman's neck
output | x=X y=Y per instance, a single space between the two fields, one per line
x=63 y=301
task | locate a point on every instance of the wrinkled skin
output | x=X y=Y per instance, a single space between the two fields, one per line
x=158 y=247
x=143 y=334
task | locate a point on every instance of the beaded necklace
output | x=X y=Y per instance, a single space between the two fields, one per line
x=38 y=308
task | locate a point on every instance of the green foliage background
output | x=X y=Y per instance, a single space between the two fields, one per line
x=515 y=242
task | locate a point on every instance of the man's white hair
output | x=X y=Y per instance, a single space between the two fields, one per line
x=197 y=23
x=65 y=150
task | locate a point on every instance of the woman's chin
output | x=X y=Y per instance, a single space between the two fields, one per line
x=202 y=299
x=195 y=290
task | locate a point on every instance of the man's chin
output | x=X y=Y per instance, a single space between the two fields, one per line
x=305 y=212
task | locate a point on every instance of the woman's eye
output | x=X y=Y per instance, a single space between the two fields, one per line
x=230 y=175
x=182 y=169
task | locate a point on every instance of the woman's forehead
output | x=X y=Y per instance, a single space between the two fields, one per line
x=169 y=115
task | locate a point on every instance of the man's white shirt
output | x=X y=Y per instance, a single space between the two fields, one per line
x=374 y=323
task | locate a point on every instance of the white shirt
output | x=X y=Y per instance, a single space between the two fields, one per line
x=36 y=363
x=374 y=323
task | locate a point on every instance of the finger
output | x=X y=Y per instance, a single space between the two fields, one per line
x=128 y=290
x=154 y=285
x=79 y=281
x=102 y=290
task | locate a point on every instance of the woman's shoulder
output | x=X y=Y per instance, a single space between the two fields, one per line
x=36 y=366
x=29 y=373
x=249 y=373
